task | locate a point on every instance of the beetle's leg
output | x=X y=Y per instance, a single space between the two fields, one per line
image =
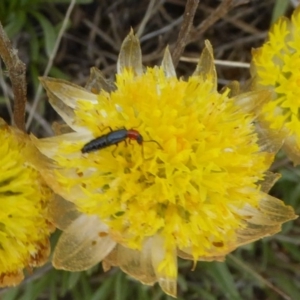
x=113 y=152
x=106 y=128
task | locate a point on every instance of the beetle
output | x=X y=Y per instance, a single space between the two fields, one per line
x=113 y=138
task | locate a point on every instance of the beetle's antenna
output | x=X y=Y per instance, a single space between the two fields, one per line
x=114 y=151
x=143 y=153
x=106 y=128
x=157 y=143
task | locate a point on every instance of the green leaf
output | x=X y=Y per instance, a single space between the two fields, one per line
x=35 y=55
x=221 y=274
x=292 y=175
x=86 y=287
x=15 y=23
x=142 y=292
x=34 y=73
x=73 y=279
x=279 y=9
x=11 y=294
x=181 y=281
x=28 y=293
x=48 y=30
x=104 y=289
x=57 y=73
x=53 y=290
x=292 y=250
x=287 y=284
x=203 y=294
x=121 y=288
x=64 y=282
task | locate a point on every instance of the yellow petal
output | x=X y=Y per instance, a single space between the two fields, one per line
x=66 y=91
x=269 y=140
x=83 y=244
x=251 y=102
x=264 y=220
x=269 y=180
x=165 y=266
x=62 y=213
x=199 y=188
x=11 y=279
x=292 y=148
x=186 y=254
x=49 y=146
x=24 y=198
x=206 y=68
x=60 y=128
x=130 y=56
x=97 y=82
x=137 y=263
x=167 y=64
x=63 y=97
x=275 y=66
x=234 y=88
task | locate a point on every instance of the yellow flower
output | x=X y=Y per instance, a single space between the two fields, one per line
x=24 y=229
x=276 y=66
x=191 y=189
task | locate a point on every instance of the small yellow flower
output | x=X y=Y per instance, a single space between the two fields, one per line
x=191 y=189
x=24 y=229
x=276 y=66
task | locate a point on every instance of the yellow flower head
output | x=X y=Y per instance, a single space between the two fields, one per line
x=158 y=167
x=24 y=229
x=276 y=66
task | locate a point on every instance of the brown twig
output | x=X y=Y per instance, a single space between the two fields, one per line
x=235 y=20
x=17 y=74
x=218 y=13
x=51 y=60
x=186 y=27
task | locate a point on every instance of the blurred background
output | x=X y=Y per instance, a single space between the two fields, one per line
x=92 y=36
